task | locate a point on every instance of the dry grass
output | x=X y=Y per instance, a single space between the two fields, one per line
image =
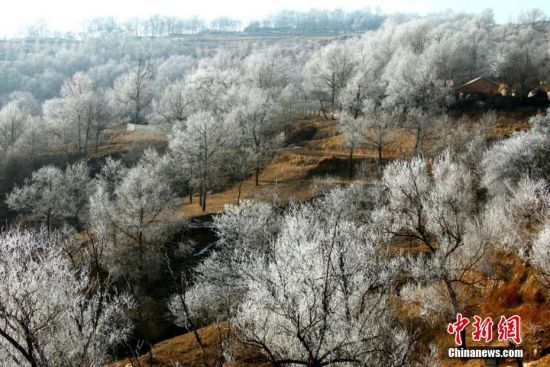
x=523 y=295
x=185 y=350
x=289 y=175
x=117 y=140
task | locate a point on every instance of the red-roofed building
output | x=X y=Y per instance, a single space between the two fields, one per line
x=479 y=85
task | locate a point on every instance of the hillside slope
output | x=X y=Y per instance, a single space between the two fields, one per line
x=294 y=174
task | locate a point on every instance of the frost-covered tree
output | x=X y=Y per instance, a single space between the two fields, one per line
x=524 y=154
x=33 y=136
x=308 y=287
x=289 y=103
x=80 y=114
x=52 y=314
x=353 y=129
x=198 y=147
x=43 y=195
x=133 y=91
x=426 y=125
x=101 y=116
x=13 y=123
x=68 y=116
x=209 y=83
x=245 y=231
x=256 y=128
x=540 y=255
x=380 y=121
x=240 y=162
x=133 y=201
x=522 y=216
x=268 y=69
x=522 y=59
x=52 y=194
x=174 y=106
x=319 y=296
x=412 y=83
x=436 y=210
x=327 y=73
x=174 y=68
x=368 y=128
x=26 y=102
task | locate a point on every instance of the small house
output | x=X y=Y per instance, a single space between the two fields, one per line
x=479 y=85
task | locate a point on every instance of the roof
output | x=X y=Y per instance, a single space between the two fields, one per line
x=473 y=81
x=480 y=85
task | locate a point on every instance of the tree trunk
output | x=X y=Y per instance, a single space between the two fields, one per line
x=380 y=148
x=204 y=201
x=323 y=109
x=257 y=174
x=138 y=107
x=26 y=354
x=418 y=138
x=190 y=194
x=97 y=140
x=332 y=97
x=136 y=116
x=456 y=307
x=86 y=138
x=350 y=164
x=79 y=147
x=239 y=195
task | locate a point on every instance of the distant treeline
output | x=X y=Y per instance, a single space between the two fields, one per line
x=318 y=21
x=285 y=22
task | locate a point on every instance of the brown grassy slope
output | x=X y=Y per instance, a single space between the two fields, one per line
x=113 y=141
x=291 y=173
x=120 y=140
x=185 y=350
x=515 y=290
x=292 y=170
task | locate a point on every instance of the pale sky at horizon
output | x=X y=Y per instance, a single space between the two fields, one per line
x=69 y=15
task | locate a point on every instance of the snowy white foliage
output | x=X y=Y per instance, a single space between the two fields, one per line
x=51 y=313
x=198 y=149
x=522 y=218
x=253 y=126
x=311 y=285
x=132 y=201
x=436 y=209
x=79 y=115
x=320 y=295
x=52 y=194
x=132 y=92
x=14 y=120
x=174 y=106
x=327 y=73
x=540 y=255
x=524 y=154
x=245 y=231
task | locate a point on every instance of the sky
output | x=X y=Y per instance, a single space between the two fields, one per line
x=69 y=15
